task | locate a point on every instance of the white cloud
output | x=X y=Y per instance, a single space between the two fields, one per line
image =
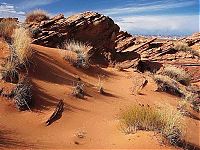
x=8 y=10
x=160 y=25
x=153 y=6
x=27 y=4
x=134 y=18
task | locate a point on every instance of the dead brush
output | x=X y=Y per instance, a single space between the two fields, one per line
x=182 y=46
x=78 y=90
x=36 y=16
x=163 y=119
x=167 y=84
x=23 y=94
x=183 y=106
x=177 y=74
x=21 y=44
x=7 y=28
x=9 y=71
x=195 y=104
x=79 y=60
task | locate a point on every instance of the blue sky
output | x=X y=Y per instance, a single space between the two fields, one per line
x=147 y=17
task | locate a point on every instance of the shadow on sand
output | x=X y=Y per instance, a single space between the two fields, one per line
x=14 y=143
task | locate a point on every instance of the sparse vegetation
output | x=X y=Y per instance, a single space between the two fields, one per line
x=23 y=94
x=36 y=16
x=165 y=119
x=177 y=74
x=20 y=53
x=81 y=57
x=167 y=84
x=21 y=45
x=18 y=41
x=78 y=90
x=181 y=46
x=7 y=28
x=9 y=72
x=183 y=106
x=196 y=105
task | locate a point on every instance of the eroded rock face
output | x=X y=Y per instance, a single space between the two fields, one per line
x=89 y=27
x=92 y=28
x=124 y=40
x=193 y=39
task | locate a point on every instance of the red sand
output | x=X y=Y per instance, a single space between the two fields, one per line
x=96 y=116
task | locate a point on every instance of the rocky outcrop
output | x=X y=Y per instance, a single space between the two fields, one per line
x=109 y=44
x=193 y=39
x=124 y=40
x=95 y=29
x=88 y=27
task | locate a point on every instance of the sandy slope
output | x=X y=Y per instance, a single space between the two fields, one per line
x=96 y=117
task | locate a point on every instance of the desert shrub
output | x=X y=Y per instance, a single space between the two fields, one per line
x=71 y=57
x=9 y=71
x=23 y=94
x=167 y=84
x=21 y=44
x=183 y=106
x=165 y=120
x=181 y=46
x=7 y=28
x=78 y=90
x=139 y=118
x=36 y=16
x=196 y=105
x=177 y=74
x=81 y=50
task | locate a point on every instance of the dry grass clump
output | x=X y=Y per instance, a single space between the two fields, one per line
x=7 y=28
x=181 y=46
x=70 y=56
x=20 y=53
x=36 y=16
x=21 y=44
x=23 y=94
x=177 y=74
x=165 y=120
x=81 y=57
x=167 y=84
x=9 y=72
x=78 y=90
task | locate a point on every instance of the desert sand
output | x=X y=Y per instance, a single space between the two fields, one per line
x=95 y=118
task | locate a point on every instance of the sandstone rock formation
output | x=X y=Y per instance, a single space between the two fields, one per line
x=92 y=28
x=109 y=44
x=195 y=38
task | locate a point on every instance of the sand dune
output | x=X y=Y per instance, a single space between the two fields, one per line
x=95 y=118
